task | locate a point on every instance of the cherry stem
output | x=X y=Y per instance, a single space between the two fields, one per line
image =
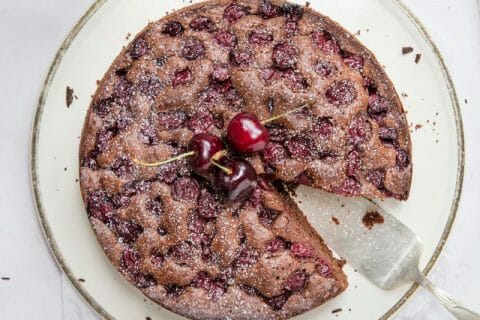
x=223 y=168
x=156 y=164
x=219 y=155
x=264 y=122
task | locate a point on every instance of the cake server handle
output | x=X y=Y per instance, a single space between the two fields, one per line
x=455 y=308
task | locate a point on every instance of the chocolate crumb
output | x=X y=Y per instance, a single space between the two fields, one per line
x=69 y=96
x=404 y=95
x=466 y=101
x=407 y=50
x=127 y=37
x=357 y=33
x=65 y=169
x=349 y=309
x=76 y=180
x=337 y=310
x=307 y=4
x=292 y=189
x=418 y=57
x=418 y=126
x=148 y=318
x=6 y=278
x=81 y=280
x=335 y=220
x=371 y=218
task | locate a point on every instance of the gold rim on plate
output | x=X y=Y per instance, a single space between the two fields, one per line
x=35 y=180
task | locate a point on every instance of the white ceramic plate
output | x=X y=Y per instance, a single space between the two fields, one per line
x=385 y=26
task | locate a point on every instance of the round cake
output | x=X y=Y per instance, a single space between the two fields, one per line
x=332 y=121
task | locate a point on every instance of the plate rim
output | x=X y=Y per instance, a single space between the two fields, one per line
x=35 y=132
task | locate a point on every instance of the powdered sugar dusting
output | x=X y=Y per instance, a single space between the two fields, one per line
x=166 y=228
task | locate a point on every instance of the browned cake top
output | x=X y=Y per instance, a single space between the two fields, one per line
x=165 y=228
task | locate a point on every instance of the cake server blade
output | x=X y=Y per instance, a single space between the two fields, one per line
x=379 y=246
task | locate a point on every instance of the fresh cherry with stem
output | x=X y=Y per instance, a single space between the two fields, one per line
x=208 y=148
x=239 y=181
x=248 y=134
x=204 y=149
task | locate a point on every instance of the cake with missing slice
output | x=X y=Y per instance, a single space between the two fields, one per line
x=195 y=237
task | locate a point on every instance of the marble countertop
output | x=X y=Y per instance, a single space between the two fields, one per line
x=32 y=287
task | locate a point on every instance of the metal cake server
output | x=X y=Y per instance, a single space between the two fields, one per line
x=387 y=254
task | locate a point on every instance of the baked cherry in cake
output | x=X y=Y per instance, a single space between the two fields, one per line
x=186 y=85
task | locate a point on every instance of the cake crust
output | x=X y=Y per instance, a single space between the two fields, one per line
x=167 y=229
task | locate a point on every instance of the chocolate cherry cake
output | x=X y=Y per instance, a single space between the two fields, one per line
x=196 y=128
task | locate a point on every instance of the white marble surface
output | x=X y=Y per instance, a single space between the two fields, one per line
x=30 y=33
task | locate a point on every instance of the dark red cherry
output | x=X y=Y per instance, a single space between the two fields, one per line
x=240 y=183
x=247 y=134
x=205 y=146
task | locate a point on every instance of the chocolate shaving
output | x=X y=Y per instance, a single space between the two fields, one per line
x=371 y=218
x=337 y=310
x=69 y=96
x=418 y=57
x=335 y=220
x=407 y=50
